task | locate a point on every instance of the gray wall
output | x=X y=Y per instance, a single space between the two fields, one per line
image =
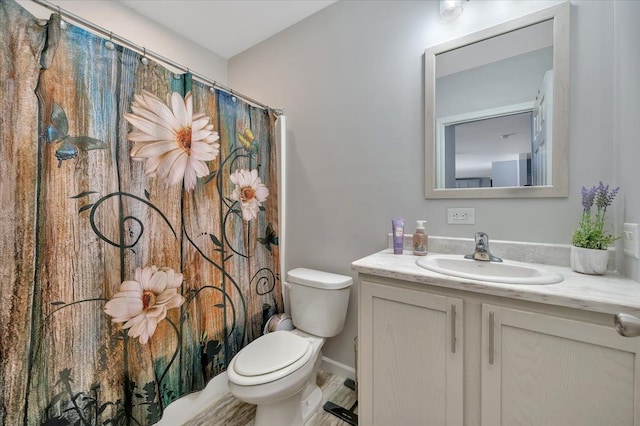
x=507 y=82
x=350 y=79
x=626 y=110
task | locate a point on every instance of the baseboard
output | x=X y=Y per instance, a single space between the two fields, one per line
x=339 y=369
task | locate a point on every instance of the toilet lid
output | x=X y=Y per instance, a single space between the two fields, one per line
x=271 y=352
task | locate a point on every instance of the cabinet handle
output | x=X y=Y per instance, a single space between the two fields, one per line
x=491 y=337
x=627 y=325
x=453 y=329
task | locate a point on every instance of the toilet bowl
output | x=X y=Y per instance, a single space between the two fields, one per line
x=277 y=372
x=276 y=383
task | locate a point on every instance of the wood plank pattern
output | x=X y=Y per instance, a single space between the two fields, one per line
x=20 y=51
x=97 y=217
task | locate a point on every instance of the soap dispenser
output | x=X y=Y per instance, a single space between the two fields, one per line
x=420 y=239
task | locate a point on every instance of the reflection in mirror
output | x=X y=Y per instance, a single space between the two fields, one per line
x=489 y=152
x=487 y=130
x=490 y=110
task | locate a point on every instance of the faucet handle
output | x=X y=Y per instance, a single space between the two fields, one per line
x=481 y=251
x=482 y=239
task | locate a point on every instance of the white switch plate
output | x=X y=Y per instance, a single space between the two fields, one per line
x=461 y=216
x=630 y=240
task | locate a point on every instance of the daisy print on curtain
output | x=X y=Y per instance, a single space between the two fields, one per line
x=155 y=245
x=173 y=142
x=249 y=191
x=142 y=303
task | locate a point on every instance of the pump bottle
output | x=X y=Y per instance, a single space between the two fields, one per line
x=420 y=239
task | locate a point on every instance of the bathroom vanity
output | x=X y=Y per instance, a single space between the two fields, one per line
x=439 y=350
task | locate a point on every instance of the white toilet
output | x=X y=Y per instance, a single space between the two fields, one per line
x=277 y=371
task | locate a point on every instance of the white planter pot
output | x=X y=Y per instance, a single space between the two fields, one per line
x=589 y=261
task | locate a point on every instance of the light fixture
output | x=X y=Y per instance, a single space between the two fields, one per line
x=450 y=9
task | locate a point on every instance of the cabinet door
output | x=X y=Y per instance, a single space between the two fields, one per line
x=410 y=357
x=545 y=370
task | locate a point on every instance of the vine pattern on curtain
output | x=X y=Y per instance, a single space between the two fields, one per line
x=128 y=288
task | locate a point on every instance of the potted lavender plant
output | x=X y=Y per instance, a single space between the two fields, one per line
x=589 y=254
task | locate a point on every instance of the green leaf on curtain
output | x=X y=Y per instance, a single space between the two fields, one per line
x=84 y=194
x=209 y=178
x=85 y=208
x=215 y=240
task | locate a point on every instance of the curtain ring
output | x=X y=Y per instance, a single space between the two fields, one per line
x=63 y=24
x=144 y=59
x=109 y=43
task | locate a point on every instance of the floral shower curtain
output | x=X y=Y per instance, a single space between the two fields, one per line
x=139 y=221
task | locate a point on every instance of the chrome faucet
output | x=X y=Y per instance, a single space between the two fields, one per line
x=481 y=251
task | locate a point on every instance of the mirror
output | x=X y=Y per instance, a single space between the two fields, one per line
x=496 y=111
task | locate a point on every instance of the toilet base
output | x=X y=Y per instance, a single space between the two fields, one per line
x=287 y=412
x=311 y=403
x=293 y=411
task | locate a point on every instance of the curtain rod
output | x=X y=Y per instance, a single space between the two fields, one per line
x=149 y=53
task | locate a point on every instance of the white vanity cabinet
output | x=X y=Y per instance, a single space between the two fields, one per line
x=542 y=369
x=410 y=357
x=430 y=355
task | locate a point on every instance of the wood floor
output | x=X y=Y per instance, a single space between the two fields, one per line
x=229 y=411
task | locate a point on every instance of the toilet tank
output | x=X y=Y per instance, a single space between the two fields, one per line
x=318 y=301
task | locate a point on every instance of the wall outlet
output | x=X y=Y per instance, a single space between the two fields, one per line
x=461 y=216
x=630 y=240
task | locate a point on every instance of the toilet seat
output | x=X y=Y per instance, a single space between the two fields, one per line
x=269 y=358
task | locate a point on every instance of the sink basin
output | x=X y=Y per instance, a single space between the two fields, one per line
x=506 y=272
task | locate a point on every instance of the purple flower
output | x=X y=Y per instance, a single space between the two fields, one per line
x=604 y=198
x=588 y=195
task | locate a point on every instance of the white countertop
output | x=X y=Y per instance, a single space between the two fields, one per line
x=610 y=293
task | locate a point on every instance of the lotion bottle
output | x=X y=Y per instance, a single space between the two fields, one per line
x=420 y=239
x=397 y=226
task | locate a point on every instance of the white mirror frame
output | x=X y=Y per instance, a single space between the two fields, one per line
x=560 y=171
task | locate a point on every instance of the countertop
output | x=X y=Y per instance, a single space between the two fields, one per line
x=610 y=293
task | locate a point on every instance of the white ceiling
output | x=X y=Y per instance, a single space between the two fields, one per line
x=227 y=27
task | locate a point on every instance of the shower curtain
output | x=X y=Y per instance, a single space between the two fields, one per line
x=139 y=228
